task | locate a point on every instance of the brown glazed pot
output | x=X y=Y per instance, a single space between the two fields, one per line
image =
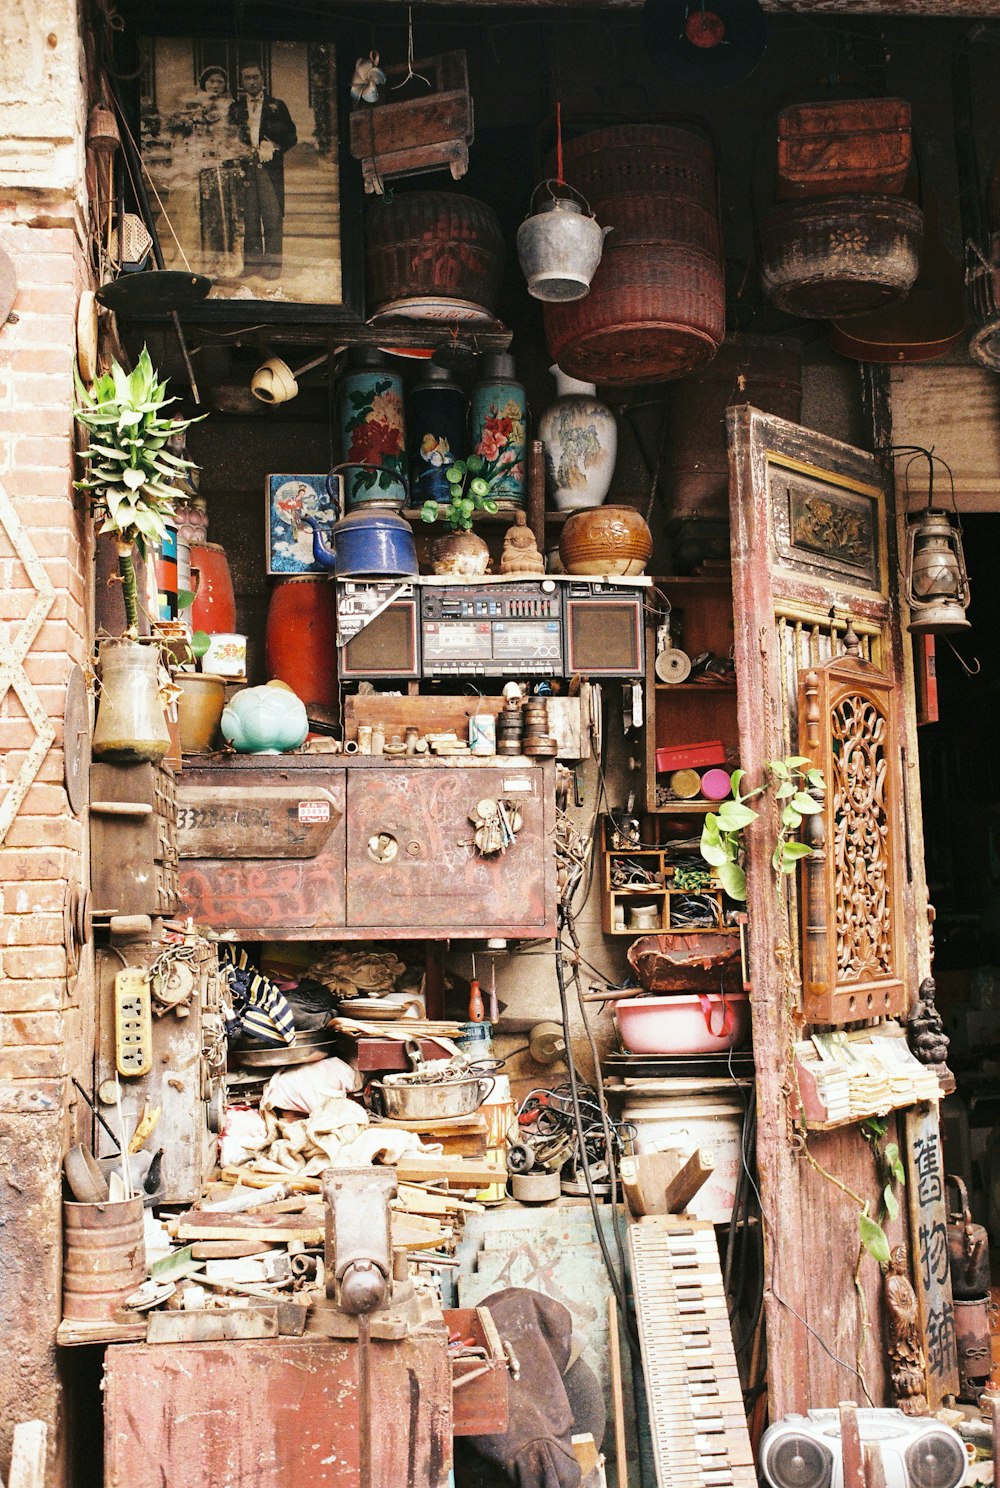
x=606 y=540
x=199 y=709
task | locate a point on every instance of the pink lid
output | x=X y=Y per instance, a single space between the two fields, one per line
x=715 y=785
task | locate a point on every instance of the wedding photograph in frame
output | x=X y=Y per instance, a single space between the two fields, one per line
x=241 y=147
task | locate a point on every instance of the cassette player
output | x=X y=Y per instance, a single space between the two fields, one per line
x=497 y=630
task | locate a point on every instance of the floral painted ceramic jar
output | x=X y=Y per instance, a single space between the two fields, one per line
x=437 y=434
x=498 y=429
x=373 y=437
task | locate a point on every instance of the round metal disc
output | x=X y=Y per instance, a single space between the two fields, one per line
x=153 y=292
x=76 y=740
x=672 y=665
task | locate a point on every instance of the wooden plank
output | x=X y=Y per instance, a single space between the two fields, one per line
x=929 y=1267
x=617 y=1396
x=852 y=1461
x=448 y=1172
x=645 y=1177
x=27 y=1456
x=209 y=1326
x=685 y=1184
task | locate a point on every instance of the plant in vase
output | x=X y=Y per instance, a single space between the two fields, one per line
x=130 y=480
x=462 y=552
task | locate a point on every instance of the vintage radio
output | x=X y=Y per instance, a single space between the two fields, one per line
x=497 y=630
x=387 y=645
x=604 y=633
x=546 y=627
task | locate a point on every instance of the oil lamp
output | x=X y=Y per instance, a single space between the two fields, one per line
x=937 y=585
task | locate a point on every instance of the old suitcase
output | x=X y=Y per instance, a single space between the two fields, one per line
x=857 y=144
x=410 y=136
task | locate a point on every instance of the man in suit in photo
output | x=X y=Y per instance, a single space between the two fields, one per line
x=267 y=132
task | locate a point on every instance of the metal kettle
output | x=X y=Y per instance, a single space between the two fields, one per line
x=968 y=1245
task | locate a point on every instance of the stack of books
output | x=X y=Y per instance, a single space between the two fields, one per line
x=848 y=1076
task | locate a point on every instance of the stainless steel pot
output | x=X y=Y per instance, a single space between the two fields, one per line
x=423 y=1101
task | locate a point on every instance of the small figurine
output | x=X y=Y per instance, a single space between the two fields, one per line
x=926 y=1036
x=907 y=1364
x=520 y=551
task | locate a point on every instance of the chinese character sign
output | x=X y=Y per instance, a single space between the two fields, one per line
x=929 y=1244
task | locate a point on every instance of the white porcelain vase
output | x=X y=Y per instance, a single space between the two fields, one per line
x=580 y=438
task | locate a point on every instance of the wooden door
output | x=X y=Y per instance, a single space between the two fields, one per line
x=813 y=544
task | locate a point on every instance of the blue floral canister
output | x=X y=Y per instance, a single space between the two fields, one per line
x=372 y=430
x=437 y=434
x=498 y=429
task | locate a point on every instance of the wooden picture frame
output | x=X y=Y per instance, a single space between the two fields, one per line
x=243 y=146
x=287 y=537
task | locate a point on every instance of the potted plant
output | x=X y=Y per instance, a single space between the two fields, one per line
x=462 y=552
x=722 y=844
x=130 y=479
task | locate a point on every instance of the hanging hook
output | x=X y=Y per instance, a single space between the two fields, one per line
x=970 y=671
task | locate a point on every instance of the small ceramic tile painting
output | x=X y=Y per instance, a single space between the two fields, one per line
x=291 y=499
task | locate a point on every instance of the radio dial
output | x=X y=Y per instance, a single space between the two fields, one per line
x=548 y=586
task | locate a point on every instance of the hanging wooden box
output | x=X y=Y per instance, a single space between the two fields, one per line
x=429 y=132
x=859 y=144
x=133 y=839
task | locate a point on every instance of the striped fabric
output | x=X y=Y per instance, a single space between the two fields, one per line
x=258 y=1009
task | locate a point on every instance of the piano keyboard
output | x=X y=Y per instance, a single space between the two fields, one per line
x=696 y=1414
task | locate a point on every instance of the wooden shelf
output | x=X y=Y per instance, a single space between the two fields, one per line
x=709 y=687
x=676 y=807
x=658 y=895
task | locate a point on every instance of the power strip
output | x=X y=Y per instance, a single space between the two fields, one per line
x=133 y=1022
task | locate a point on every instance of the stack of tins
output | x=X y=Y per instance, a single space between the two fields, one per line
x=656 y=308
x=842 y=240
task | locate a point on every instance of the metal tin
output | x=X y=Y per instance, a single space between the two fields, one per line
x=104 y=1257
x=972 y=1339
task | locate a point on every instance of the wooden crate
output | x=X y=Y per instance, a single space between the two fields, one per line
x=426 y=132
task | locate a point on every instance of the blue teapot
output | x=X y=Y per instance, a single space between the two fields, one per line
x=265 y=720
x=370 y=544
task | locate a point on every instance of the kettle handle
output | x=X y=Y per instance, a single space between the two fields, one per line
x=963 y=1212
x=564 y=187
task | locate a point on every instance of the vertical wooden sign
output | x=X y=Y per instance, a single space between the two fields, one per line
x=929 y=1250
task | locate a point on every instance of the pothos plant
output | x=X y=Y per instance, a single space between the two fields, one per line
x=722 y=843
x=470 y=492
x=130 y=471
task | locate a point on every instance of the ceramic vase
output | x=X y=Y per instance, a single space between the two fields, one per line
x=372 y=432
x=461 y=554
x=580 y=439
x=611 y=540
x=437 y=434
x=131 y=727
x=199 y=709
x=498 y=429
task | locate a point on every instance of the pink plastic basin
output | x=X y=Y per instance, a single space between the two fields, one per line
x=688 y=1023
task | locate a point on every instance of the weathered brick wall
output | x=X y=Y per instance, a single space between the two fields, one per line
x=45 y=546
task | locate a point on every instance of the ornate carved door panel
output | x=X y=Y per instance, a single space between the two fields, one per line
x=813 y=544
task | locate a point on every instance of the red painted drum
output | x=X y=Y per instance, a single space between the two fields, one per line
x=300 y=643
x=214 y=608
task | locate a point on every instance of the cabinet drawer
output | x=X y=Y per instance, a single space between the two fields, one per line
x=412 y=861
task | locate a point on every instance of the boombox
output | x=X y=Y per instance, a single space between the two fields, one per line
x=549 y=627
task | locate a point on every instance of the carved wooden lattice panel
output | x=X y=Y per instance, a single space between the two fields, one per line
x=852 y=927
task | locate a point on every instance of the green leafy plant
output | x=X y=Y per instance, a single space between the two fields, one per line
x=722 y=843
x=470 y=492
x=891 y=1174
x=130 y=471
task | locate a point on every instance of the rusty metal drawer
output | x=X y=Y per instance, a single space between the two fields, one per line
x=479 y=1385
x=412 y=861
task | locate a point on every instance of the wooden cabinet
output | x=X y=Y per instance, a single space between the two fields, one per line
x=703 y=707
x=307 y=849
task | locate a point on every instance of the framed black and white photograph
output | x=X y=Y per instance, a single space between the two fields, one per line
x=290 y=500
x=241 y=147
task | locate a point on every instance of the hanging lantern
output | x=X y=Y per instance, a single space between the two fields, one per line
x=937 y=583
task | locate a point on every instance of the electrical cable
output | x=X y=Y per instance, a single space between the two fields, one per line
x=617 y=1285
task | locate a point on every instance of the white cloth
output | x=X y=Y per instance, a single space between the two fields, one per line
x=307 y=1087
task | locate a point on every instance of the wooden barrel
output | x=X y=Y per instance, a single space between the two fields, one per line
x=641 y=160
x=432 y=245
x=695 y=470
x=300 y=644
x=841 y=255
x=104 y=1257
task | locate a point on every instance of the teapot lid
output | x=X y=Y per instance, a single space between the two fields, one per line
x=378 y=519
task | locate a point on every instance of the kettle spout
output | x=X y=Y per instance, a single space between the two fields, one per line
x=322 y=552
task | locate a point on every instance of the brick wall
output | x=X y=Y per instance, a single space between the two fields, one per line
x=45 y=563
